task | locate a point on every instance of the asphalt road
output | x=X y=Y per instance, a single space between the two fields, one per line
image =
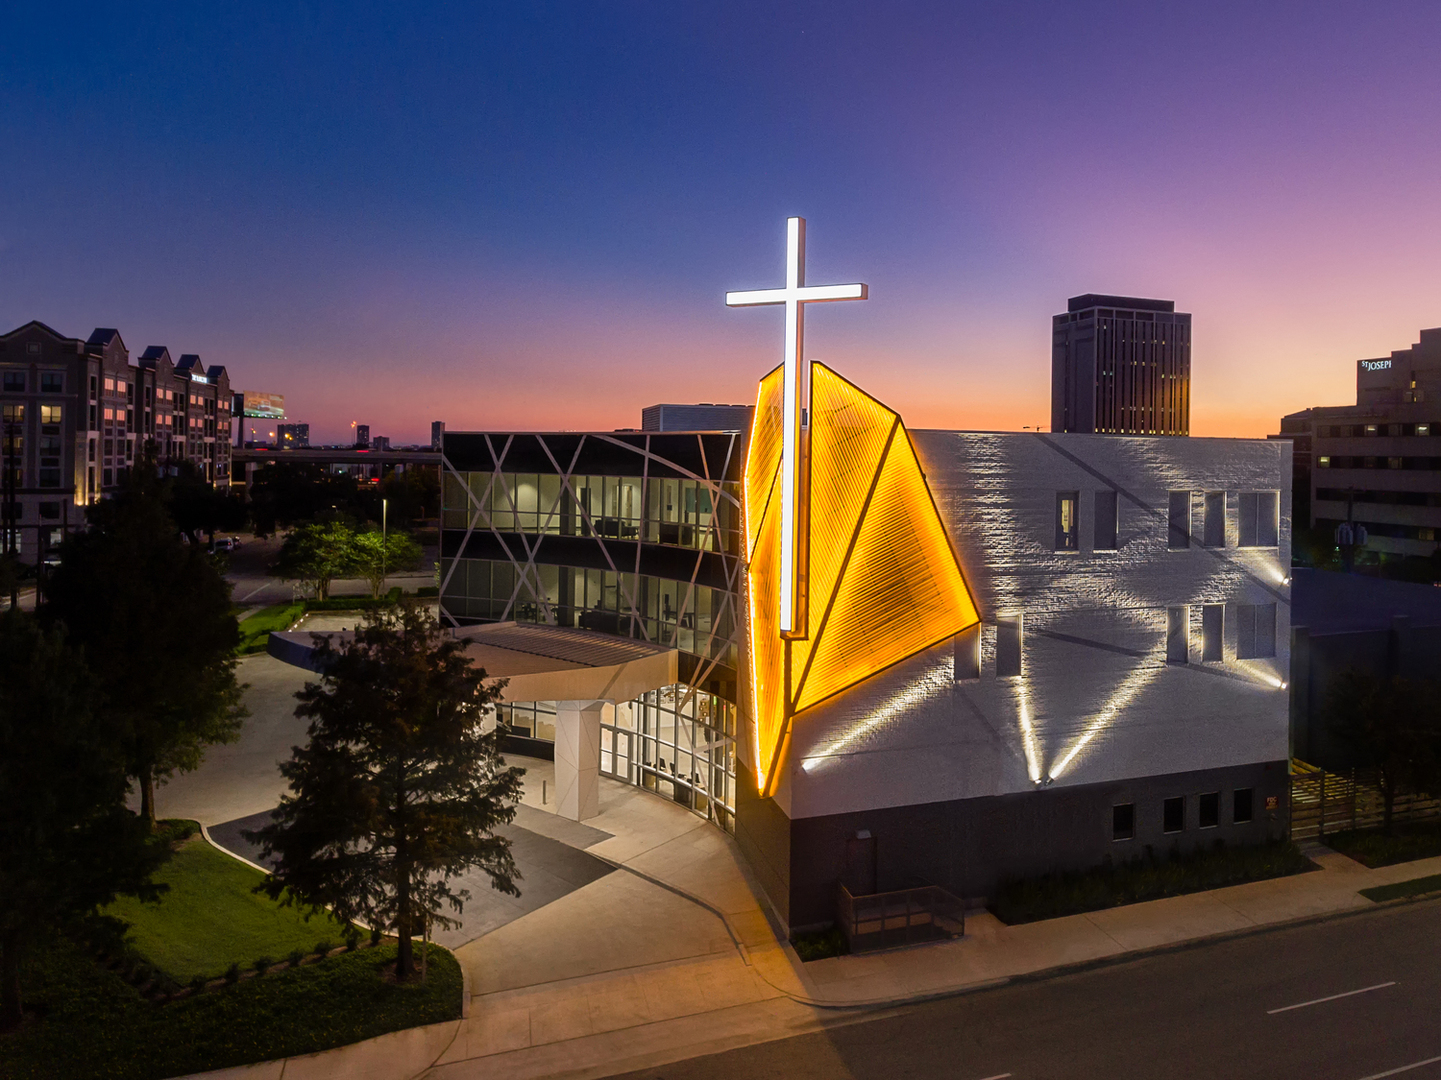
x=1235 y=1009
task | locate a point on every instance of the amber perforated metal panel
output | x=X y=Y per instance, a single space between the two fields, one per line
x=762 y=523
x=882 y=581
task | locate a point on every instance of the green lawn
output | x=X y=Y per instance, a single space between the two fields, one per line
x=1147 y=878
x=210 y=918
x=255 y=631
x=1371 y=847
x=95 y=1025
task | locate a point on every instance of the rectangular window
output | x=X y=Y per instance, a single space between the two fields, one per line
x=1068 y=528
x=1423 y=429
x=109 y=385
x=12 y=413
x=1215 y=527
x=1106 y=521
x=1324 y=461
x=1178 y=638
x=1241 y=805
x=92 y=386
x=49 y=477
x=52 y=382
x=1208 y=810
x=1179 y=534
x=1259 y=520
x=1255 y=631
x=14 y=382
x=1008 y=646
x=50 y=511
x=1123 y=821
x=1213 y=633
x=1173 y=815
x=51 y=414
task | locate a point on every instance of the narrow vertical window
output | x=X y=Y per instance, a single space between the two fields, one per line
x=968 y=654
x=1068 y=527
x=1173 y=814
x=1268 y=521
x=1178 y=638
x=1265 y=630
x=1208 y=810
x=1241 y=805
x=1123 y=821
x=1106 y=520
x=1215 y=527
x=1245 y=631
x=1008 y=646
x=1213 y=628
x=1179 y=532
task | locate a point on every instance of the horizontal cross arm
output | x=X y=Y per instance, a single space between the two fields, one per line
x=756 y=297
x=811 y=293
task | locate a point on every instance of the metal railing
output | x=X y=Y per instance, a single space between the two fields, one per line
x=1328 y=802
x=904 y=917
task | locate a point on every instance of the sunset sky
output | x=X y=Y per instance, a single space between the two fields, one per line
x=527 y=215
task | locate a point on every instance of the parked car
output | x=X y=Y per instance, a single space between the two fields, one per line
x=225 y=543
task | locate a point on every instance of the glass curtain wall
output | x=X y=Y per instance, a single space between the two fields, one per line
x=680 y=513
x=698 y=620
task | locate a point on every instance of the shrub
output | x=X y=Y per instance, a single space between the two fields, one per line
x=818 y=946
x=198 y=983
x=232 y=974
x=323 y=948
x=263 y=964
x=375 y=935
x=296 y=956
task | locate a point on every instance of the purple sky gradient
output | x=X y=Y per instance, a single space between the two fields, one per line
x=529 y=219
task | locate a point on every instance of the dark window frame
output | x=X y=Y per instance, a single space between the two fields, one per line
x=1173 y=811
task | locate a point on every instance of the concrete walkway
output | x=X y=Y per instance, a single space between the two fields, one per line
x=674 y=958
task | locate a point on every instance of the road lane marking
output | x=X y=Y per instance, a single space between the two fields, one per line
x=1403 y=1068
x=1333 y=997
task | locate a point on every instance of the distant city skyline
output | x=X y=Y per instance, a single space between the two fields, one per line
x=529 y=218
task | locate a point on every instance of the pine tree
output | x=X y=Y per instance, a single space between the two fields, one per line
x=398 y=790
x=67 y=842
x=152 y=617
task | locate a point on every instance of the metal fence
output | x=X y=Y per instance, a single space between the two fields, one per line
x=905 y=917
x=1329 y=802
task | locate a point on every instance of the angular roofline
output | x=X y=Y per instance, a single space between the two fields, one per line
x=37 y=323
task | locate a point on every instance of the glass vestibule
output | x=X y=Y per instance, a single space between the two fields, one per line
x=677 y=744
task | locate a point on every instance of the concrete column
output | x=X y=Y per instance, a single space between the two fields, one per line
x=577 y=759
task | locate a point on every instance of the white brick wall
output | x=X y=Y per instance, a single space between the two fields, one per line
x=1096 y=693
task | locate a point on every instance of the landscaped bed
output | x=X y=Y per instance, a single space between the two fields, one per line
x=255 y=631
x=96 y=1025
x=1371 y=847
x=124 y=1013
x=211 y=917
x=1148 y=878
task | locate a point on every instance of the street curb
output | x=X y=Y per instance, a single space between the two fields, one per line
x=1043 y=974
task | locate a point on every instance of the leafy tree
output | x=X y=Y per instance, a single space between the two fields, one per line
x=198 y=506
x=413 y=494
x=377 y=556
x=1392 y=724
x=288 y=492
x=316 y=554
x=398 y=791
x=67 y=843
x=153 y=619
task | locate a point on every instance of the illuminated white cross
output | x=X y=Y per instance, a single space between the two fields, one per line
x=794 y=296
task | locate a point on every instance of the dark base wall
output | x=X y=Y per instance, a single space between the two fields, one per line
x=969 y=846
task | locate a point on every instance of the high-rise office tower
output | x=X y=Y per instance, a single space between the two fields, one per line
x=1121 y=365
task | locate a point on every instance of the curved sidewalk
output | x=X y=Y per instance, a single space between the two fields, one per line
x=554 y=995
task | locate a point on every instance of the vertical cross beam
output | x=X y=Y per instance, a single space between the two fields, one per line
x=795 y=295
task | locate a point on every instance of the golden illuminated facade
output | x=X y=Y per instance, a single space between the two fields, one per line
x=877 y=580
